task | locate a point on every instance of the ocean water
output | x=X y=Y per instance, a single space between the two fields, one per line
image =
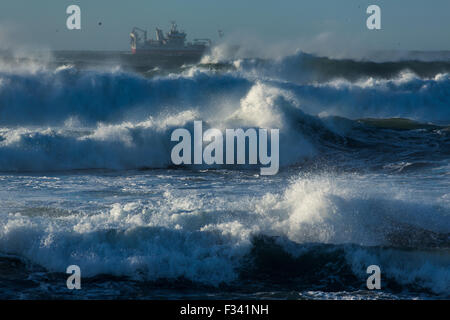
x=86 y=178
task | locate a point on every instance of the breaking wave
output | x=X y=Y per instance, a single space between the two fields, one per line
x=346 y=122
x=327 y=228
x=80 y=119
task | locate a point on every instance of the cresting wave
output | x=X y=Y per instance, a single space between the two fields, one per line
x=328 y=228
x=143 y=144
x=52 y=96
x=364 y=152
x=80 y=119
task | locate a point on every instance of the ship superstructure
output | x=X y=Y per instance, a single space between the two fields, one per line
x=171 y=44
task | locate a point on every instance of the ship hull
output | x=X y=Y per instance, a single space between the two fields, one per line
x=188 y=56
x=169 y=48
x=130 y=62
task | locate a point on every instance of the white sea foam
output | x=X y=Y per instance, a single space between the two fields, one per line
x=64 y=119
x=204 y=238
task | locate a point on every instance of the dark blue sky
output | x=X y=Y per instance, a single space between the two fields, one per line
x=406 y=24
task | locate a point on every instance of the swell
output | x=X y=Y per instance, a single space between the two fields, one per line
x=302 y=67
x=49 y=98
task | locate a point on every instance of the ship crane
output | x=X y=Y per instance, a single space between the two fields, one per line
x=134 y=34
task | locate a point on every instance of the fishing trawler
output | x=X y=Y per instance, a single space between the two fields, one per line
x=171 y=45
